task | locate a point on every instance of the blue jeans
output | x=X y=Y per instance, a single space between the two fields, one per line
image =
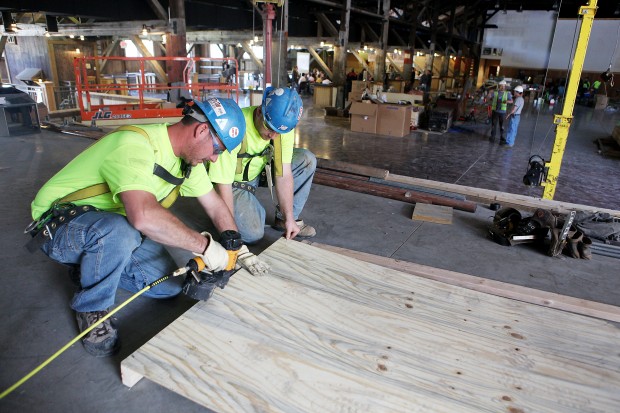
x=511 y=134
x=250 y=214
x=111 y=254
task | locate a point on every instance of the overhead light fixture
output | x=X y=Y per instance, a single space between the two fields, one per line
x=163 y=39
x=145 y=30
x=520 y=8
x=555 y=5
x=617 y=12
x=255 y=39
x=47 y=34
x=71 y=36
x=497 y=4
x=82 y=37
x=77 y=50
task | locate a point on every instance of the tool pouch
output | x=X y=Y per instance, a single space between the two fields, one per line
x=45 y=228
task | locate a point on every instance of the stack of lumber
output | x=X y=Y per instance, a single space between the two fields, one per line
x=329 y=333
x=372 y=181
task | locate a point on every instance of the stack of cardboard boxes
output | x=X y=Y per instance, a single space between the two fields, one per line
x=381 y=118
x=392 y=114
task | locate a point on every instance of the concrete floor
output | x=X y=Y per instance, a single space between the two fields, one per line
x=36 y=319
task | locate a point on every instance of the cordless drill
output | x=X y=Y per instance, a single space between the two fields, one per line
x=199 y=283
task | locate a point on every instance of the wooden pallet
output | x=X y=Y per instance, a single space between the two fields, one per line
x=329 y=333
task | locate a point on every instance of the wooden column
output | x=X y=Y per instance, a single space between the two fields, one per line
x=383 y=41
x=340 y=55
x=175 y=42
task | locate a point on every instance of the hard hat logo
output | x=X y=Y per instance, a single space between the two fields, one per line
x=216 y=106
x=226 y=118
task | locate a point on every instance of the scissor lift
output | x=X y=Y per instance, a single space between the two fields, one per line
x=137 y=97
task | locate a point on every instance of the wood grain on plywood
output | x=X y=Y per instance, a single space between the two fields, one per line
x=326 y=332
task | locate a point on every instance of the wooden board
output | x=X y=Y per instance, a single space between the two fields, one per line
x=432 y=213
x=522 y=202
x=485 y=285
x=329 y=333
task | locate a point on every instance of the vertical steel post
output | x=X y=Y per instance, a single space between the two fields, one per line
x=564 y=120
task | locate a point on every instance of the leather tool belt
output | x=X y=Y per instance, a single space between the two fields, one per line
x=45 y=228
x=245 y=186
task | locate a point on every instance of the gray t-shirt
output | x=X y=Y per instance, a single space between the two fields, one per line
x=518 y=103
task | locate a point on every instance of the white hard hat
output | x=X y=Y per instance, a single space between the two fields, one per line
x=503 y=82
x=519 y=89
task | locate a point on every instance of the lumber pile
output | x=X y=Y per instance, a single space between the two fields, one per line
x=371 y=181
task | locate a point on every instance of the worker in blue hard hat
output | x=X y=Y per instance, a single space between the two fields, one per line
x=105 y=213
x=268 y=142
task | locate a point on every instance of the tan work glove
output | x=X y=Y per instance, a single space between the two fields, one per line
x=251 y=262
x=215 y=256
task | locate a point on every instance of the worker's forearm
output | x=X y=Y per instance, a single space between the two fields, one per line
x=225 y=192
x=163 y=227
x=284 y=190
x=218 y=211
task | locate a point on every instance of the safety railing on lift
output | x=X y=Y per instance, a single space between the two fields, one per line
x=142 y=93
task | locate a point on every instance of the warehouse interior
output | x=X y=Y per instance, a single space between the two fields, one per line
x=81 y=70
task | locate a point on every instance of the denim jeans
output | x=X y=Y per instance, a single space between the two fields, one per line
x=111 y=254
x=250 y=214
x=511 y=134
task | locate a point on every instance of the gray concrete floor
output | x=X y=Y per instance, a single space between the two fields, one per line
x=36 y=320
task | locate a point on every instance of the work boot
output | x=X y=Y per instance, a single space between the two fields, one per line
x=585 y=252
x=103 y=340
x=305 y=230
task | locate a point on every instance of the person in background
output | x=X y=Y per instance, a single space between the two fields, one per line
x=514 y=117
x=499 y=103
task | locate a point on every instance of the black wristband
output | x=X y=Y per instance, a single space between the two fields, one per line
x=231 y=240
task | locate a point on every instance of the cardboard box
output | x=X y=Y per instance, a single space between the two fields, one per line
x=364 y=117
x=355 y=96
x=416 y=111
x=394 y=120
x=601 y=102
x=358 y=85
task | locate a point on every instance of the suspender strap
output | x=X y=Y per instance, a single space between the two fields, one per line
x=268 y=152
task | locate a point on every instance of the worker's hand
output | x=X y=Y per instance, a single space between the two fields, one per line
x=251 y=262
x=291 y=229
x=215 y=256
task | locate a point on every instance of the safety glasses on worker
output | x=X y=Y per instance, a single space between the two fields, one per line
x=268 y=129
x=218 y=147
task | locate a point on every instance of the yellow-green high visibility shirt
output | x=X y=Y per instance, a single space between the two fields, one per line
x=506 y=96
x=229 y=168
x=125 y=161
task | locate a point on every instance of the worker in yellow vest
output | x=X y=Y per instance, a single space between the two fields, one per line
x=499 y=103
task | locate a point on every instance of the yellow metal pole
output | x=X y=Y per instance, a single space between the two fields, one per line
x=564 y=120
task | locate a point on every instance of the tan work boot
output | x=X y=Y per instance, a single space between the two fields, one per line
x=305 y=230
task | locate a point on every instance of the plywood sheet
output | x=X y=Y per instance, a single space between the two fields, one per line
x=329 y=333
x=432 y=213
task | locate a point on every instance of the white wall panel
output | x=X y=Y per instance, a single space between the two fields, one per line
x=526 y=39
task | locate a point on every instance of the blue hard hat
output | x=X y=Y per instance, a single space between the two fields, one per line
x=282 y=108
x=225 y=116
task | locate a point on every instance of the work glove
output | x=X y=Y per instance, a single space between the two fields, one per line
x=251 y=262
x=215 y=256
